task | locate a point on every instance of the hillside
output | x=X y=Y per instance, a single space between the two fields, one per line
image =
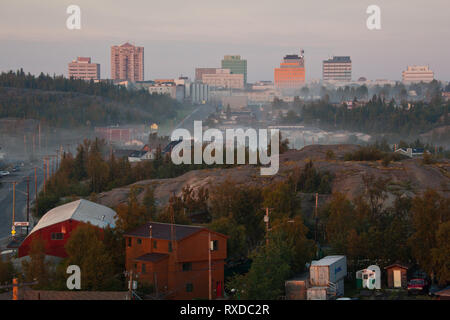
x=74 y=110
x=407 y=177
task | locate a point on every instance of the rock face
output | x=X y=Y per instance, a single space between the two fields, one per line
x=407 y=177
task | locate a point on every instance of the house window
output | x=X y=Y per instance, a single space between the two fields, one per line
x=144 y=270
x=129 y=242
x=170 y=246
x=187 y=266
x=135 y=266
x=154 y=244
x=139 y=241
x=57 y=236
x=189 y=287
x=214 y=245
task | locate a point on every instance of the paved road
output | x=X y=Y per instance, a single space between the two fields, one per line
x=6 y=198
x=6 y=190
x=200 y=113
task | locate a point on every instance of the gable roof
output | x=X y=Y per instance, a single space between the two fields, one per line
x=399 y=265
x=163 y=231
x=79 y=210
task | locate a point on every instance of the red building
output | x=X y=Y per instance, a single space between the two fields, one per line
x=116 y=134
x=177 y=260
x=291 y=73
x=57 y=224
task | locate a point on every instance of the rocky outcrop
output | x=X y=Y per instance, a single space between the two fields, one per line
x=406 y=177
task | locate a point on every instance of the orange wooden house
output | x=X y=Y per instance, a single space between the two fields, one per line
x=180 y=261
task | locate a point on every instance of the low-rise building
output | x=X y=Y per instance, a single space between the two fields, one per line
x=141 y=155
x=83 y=69
x=180 y=261
x=56 y=226
x=199 y=72
x=169 y=88
x=411 y=152
x=415 y=74
x=223 y=78
x=397 y=275
x=446 y=95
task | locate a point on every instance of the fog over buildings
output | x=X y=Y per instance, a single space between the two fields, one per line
x=179 y=36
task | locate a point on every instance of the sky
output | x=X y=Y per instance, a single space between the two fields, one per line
x=180 y=35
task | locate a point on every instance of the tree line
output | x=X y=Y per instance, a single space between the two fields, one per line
x=63 y=102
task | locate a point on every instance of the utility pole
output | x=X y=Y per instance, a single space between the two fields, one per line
x=266 y=220
x=36 y=190
x=25 y=143
x=315 y=217
x=34 y=145
x=209 y=265
x=39 y=137
x=13 y=228
x=48 y=168
x=45 y=173
x=130 y=285
x=57 y=160
x=28 y=202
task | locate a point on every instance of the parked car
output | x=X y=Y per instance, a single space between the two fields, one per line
x=4 y=173
x=418 y=286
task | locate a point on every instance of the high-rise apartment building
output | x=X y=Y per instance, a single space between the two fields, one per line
x=414 y=74
x=291 y=73
x=127 y=62
x=82 y=68
x=223 y=78
x=236 y=65
x=337 y=69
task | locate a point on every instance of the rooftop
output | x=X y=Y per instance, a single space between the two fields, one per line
x=80 y=210
x=164 y=231
x=328 y=260
x=339 y=59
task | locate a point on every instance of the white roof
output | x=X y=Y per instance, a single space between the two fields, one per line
x=326 y=261
x=80 y=210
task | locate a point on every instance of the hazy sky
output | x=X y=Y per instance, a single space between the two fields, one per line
x=179 y=35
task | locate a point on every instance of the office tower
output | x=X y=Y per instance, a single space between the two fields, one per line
x=127 y=62
x=199 y=72
x=337 y=69
x=414 y=74
x=83 y=69
x=236 y=65
x=291 y=73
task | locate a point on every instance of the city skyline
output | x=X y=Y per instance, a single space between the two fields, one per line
x=177 y=41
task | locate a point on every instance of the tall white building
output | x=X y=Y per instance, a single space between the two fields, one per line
x=414 y=74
